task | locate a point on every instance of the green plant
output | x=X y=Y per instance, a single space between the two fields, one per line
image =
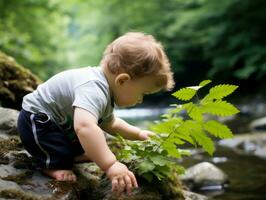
x=158 y=156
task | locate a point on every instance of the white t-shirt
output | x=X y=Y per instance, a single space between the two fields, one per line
x=86 y=88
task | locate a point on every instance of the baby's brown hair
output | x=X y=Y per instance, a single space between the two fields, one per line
x=139 y=55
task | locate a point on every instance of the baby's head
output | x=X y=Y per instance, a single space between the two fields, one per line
x=138 y=56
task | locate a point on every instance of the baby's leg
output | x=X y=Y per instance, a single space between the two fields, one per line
x=60 y=175
x=45 y=141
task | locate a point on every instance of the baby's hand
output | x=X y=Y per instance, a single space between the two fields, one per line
x=144 y=134
x=122 y=179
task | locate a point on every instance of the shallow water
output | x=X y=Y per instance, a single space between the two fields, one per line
x=247 y=174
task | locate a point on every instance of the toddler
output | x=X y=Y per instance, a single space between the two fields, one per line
x=63 y=121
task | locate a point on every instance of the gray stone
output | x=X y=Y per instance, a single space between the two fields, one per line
x=258 y=124
x=252 y=144
x=203 y=175
x=8 y=120
x=194 y=196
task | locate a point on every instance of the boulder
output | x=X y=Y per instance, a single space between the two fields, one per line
x=8 y=122
x=251 y=144
x=15 y=82
x=258 y=125
x=205 y=176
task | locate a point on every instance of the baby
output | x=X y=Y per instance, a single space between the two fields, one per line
x=63 y=121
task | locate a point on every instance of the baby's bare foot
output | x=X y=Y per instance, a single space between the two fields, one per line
x=60 y=174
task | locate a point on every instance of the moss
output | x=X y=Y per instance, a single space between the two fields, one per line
x=62 y=188
x=13 y=143
x=18 y=194
x=7 y=145
x=16 y=81
x=19 y=178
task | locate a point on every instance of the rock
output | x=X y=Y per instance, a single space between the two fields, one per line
x=15 y=82
x=252 y=144
x=19 y=178
x=204 y=176
x=99 y=187
x=194 y=196
x=8 y=121
x=258 y=124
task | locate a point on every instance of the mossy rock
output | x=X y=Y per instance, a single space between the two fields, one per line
x=15 y=82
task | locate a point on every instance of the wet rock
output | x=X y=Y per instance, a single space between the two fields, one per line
x=204 y=176
x=8 y=121
x=258 y=125
x=251 y=143
x=194 y=196
x=15 y=82
x=19 y=178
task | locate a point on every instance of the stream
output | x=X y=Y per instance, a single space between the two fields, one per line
x=247 y=173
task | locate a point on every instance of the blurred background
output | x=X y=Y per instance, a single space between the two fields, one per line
x=224 y=41
x=219 y=40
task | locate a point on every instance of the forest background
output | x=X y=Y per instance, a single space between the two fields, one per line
x=205 y=39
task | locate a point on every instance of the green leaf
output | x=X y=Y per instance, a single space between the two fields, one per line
x=195 y=113
x=221 y=91
x=159 y=160
x=205 y=82
x=163 y=171
x=171 y=149
x=185 y=130
x=166 y=126
x=204 y=141
x=219 y=108
x=217 y=129
x=184 y=94
x=145 y=166
x=179 y=169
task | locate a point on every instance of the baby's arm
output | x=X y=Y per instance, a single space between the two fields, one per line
x=93 y=142
x=126 y=130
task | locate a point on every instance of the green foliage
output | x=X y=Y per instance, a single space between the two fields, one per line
x=158 y=156
x=200 y=36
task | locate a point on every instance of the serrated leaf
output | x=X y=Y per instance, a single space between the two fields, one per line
x=217 y=129
x=174 y=139
x=195 y=113
x=184 y=131
x=145 y=166
x=159 y=160
x=205 y=82
x=163 y=171
x=221 y=91
x=184 y=94
x=171 y=149
x=175 y=110
x=166 y=126
x=158 y=174
x=204 y=141
x=219 y=108
x=194 y=129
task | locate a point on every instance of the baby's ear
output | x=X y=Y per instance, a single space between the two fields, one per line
x=122 y=78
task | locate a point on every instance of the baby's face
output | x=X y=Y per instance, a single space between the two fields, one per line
x=133 y=91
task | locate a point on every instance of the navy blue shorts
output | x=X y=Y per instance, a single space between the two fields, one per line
x=47 y=142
